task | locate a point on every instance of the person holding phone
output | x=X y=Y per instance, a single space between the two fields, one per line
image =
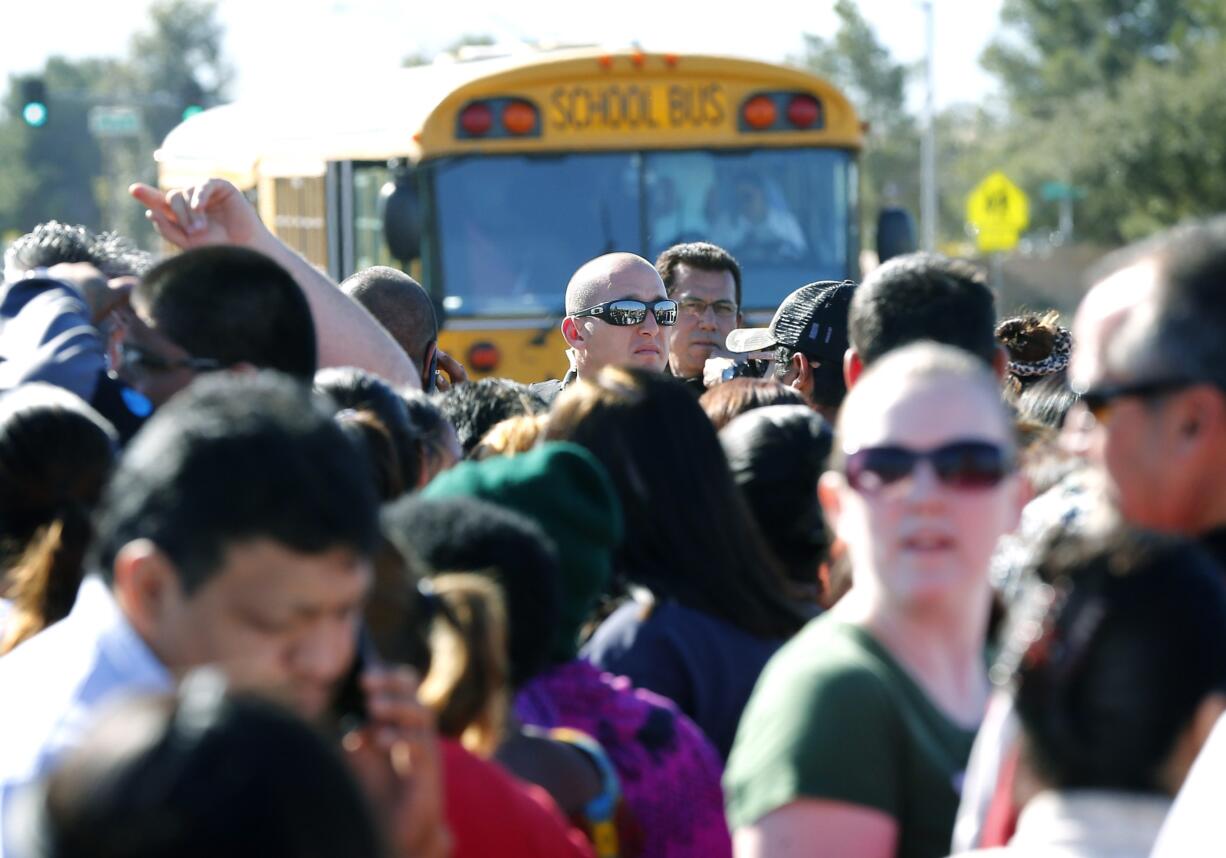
x=261 y=568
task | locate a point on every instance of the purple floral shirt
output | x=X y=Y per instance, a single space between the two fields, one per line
x=670 y=774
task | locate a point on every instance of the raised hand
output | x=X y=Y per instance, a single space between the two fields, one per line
x=215 y=212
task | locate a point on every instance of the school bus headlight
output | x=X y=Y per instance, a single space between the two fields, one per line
x=759 y=112
x=519 y=118
x=484 y=357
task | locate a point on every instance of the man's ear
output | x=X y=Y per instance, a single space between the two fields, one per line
x=427 y=358
x=571 y=332
x=145 y=582
x=803 y=376
x=852 y=368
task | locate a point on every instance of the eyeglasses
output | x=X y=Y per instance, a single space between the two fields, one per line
x=1098 y=399
x=626 y=312
x=962 y=465
x=697 y=308
x=140 y=360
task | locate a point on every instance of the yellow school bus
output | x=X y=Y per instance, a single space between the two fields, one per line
x=493 y=180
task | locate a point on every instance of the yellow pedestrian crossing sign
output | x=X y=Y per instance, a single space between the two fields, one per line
x=998 y=210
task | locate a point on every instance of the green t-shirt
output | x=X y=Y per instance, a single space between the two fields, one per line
x=834 y=716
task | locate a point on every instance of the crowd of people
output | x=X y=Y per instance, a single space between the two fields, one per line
x=890 y=576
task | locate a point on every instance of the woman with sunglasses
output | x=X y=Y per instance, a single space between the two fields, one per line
x=857 y=734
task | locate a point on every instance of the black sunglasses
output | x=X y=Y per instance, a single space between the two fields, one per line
x=1098 y=399
x=965 y=465
x=625 y=312
x=142 y=360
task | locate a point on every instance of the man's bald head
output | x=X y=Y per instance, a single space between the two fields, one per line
x=605 y=278
x=596 y=342
x=399 y=304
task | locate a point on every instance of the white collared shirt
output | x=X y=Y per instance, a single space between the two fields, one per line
x=52 y=686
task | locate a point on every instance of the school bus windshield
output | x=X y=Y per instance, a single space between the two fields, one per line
x=512 y=229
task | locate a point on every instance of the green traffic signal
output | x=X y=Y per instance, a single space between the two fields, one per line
x=191 y=110
x=34 y=102
x=35 y=114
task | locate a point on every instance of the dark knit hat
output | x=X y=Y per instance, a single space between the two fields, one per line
x=812 y=320
x=567 y=492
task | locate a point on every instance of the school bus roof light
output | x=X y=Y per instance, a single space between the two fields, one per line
x=477 y=119
x=605 y=62
x=638 y=58
x=670 y=60
x=519 y=118
x=759 y=112
x=804 y=111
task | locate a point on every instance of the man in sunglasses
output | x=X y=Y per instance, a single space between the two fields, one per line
x=617 y=313
x=1149 y=361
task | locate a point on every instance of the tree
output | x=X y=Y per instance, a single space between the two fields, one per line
x=1122 y=100
x=49 y=172
x=61 y=170
x=858 y=63
x=1053 y=50
x=179 y=61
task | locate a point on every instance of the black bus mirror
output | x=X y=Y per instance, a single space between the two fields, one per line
x=400 y=208
x=895 y=233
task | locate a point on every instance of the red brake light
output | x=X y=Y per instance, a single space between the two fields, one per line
x=759 y=112
x=804 y=111
x=477 y=119
x=484 y=357
x=519 y=117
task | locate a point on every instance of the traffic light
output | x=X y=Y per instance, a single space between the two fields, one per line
x=192 y=99
x=34 y=102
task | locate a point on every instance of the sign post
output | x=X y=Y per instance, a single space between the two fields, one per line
x=999 y=211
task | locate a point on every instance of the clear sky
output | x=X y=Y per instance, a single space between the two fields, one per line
x=288 y=43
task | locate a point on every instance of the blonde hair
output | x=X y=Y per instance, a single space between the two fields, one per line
x=43 y=584
x=517 y=434
x=467 y=685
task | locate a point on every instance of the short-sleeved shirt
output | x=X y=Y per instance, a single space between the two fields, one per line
x=835 y=717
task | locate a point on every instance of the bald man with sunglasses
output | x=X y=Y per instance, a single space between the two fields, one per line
x=618 y=313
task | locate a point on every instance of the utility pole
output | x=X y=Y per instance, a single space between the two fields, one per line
x=928 y=143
